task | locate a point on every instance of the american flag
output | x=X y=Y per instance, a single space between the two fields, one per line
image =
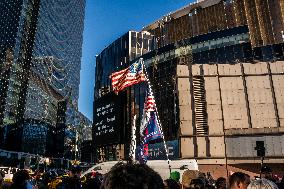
x=149 y=106
x=124 y=78
x=149 y=129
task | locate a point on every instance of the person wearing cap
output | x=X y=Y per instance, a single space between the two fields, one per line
x=266 y=173
x=175 y=176
x=73 y=180
x=190 y=178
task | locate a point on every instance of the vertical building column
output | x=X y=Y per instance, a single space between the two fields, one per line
x=223 y=121
x=239 y=10
x=276 y=17
x=189 y=64
x=246 y=95
x=273 y=95
x=281 y=3
x=264 y=22
x=253 y=23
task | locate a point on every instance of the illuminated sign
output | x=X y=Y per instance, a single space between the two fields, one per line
x=108 y=114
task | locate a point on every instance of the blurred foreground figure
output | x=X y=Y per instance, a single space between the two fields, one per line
x=132 y=176
x=266 y=172
x=221 y=183
x=21 y=180
x=93 y=180
x=171 y=184
x=175 y=176
x=192 y=179
x=73 y=180
x=239 y=180
x=2 y=175
x=262 y=184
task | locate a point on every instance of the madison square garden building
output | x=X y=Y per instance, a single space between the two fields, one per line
x=40 y=60
x=217 y=72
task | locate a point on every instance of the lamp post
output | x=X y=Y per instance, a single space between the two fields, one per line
x=260 y=151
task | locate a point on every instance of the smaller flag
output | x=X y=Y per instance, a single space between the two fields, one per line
x=152 y=131
x=149 y=129
x=149 y=106
x=124 y=78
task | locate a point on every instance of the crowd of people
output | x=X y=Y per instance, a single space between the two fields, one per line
x=136 y=176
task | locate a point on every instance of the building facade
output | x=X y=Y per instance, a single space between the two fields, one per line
x=117 y=56
x=40 y=58
x=216 y=68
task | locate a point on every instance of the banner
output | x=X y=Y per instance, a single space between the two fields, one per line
x=157 y=151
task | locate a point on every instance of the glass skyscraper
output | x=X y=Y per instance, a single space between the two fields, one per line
x=40 y=60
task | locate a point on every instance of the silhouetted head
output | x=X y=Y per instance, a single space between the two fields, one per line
x=75 y=171
x=20 y=177
x=2 y=175
x=266 y=172
x=239 y=180
x=132 y=176
x=221 y=183
x=171 y=184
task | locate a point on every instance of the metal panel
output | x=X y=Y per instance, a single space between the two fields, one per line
x=277 y=67
x=210 y=69
x=278 y=82
x=185 y=113
x=227 y=69
x=214 y=110
x=196 y=69
x=186 y=127
x=182 y=70
x=245 y=146
x=261 y=103
x=201 y=145
x=234 y=106
x=187 y=147
x=215 y=126
x=259 y=68
x=184 y=98
x=183 y=84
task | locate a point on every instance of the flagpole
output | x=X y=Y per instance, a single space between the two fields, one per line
x=157 y=114
x=133 y=141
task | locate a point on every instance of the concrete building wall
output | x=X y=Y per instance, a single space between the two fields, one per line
x=244 y=104
x=243 y=147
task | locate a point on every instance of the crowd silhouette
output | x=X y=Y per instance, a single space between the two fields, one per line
x=136 y=176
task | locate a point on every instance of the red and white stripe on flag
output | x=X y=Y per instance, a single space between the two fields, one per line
x=150 y=104
x=127 y=77
x=116 y=76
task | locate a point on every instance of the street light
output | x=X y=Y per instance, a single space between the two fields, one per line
x=260 y=150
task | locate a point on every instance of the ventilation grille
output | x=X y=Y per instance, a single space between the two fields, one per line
x=200 y=106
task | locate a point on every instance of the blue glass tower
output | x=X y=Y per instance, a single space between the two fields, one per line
x=40 y=51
